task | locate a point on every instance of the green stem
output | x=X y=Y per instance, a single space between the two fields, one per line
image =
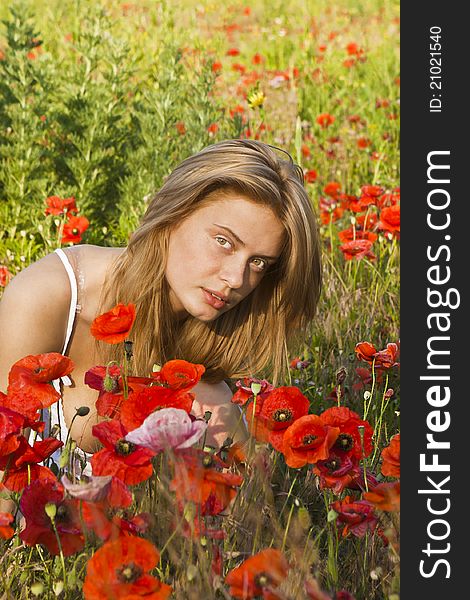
x=366 y=408
x=287 y=527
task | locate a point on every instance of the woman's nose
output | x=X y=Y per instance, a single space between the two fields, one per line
x=234 y=273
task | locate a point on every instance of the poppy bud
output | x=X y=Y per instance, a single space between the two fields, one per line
x=55 y=431
x=341 y=376
x=83 y=411
x=128 y=349
x=37 y=588
x=256 y=388
x=51 y=510
x=58 y=587
x=207 y=415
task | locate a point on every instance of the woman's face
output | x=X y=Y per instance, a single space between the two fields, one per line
x=219 y=254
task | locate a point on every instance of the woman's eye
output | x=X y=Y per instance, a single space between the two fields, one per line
x=223 y=242
x=260 y=263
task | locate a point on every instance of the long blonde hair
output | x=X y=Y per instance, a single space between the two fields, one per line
x=252 y=337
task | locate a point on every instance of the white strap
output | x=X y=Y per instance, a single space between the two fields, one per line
x=74 y=298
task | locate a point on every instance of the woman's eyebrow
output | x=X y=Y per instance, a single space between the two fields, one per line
x=241 y=242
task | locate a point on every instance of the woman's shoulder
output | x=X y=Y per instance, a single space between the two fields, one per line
x=33 y=310
x=44 y=286
x=45 y=276
x=36 y=302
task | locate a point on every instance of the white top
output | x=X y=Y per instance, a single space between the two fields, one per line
x=55 y=415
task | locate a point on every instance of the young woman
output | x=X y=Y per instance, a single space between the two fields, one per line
x=224 y=271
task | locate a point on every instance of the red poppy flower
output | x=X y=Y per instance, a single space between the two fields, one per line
x=233 y=52
x=6 y=529
x=390 y=219
x=279 y=410
x=21 y=467
x=237 y=110
x=179 y=374
x=325 y=119
x=257 y=426
x=142 y=403
x=11 y=427
x=180 y=127
x=372 y=190
x=258 y=575
x=34 y=374
x=353 y=49
x=73 y=230
x=310 y=176
x=391 y=458
x=119 y=569
x=365 y=376
x=330 y=216
x=357 y=249
x=234 y=455
x=368 y=223
x=382 y=103
x=354 y=119
x=5 y=275
x=120 y=458
x=344 y=595
x=108 y=381
x=115 y=325
x=384 y=359
x=60 y=206
x=298 y=363
x=100 y=518
x=27 y=405
x=216 y=66
x=349 y=440
x=42 y=496
x=341 y=471
x=365 y=351
x=332 y=189
x=257 y=59
x=363 y=142
x=244 y=392
x=347 y=235
x=389 y=199
x=198 y=478
x=305 y=151
x=385 y=496
x=308 y=440
x=213 y=128
x=238 y=67
x=358 y=516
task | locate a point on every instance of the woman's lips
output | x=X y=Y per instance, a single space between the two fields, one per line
x=212 y=300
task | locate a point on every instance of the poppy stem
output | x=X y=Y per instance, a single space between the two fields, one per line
x=378 y=427
x=124 y=377
x=289 y=518
x=62 y=560
x=366 y=408
x=364 y=469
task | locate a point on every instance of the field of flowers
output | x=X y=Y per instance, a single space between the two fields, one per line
x=99 y=101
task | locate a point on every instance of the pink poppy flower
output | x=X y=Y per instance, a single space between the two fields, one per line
x=167 y=428
x=93 y=491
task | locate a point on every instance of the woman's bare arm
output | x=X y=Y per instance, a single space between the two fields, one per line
x=33 y=313
x=33 y=317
